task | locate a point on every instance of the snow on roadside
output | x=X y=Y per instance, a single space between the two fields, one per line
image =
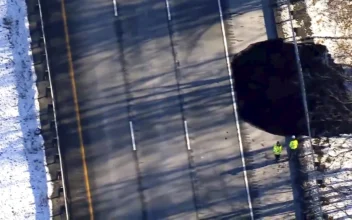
x=23 y=181
x=330 y=24
x=334 y=156
x=284 y=16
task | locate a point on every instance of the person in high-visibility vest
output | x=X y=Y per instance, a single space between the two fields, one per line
x=293 y=147
x=277 y=149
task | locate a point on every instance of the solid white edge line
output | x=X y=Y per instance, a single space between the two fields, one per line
x=168 y=10
x=54 y=110
x=235 y=110
x=187 y=136
x=115 y=7
x=132 y=137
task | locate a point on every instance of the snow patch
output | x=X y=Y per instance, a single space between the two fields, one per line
x=23 y=179
x=337 y=175
x=330 y=25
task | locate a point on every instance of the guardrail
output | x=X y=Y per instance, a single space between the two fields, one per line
x=314 y=206
x=57 y=139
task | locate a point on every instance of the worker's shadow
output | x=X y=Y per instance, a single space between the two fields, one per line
x=233 y=171
x=253 y=166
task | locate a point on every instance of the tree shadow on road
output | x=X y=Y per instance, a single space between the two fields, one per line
x=154 y=98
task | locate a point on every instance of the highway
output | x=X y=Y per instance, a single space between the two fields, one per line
x=145 y=112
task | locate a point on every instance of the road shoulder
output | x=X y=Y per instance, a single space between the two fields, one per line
x=270 y=182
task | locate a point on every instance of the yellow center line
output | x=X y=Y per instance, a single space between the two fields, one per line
x=78 y=118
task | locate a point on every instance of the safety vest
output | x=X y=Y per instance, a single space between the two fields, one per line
x=293 y=144
x=277 y=149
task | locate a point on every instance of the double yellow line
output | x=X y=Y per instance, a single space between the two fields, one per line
x=78 y=118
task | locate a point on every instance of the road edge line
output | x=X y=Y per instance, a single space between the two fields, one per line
x=75 y=100
x=235 y=110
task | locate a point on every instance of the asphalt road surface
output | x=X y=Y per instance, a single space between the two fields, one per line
x=154 y=81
